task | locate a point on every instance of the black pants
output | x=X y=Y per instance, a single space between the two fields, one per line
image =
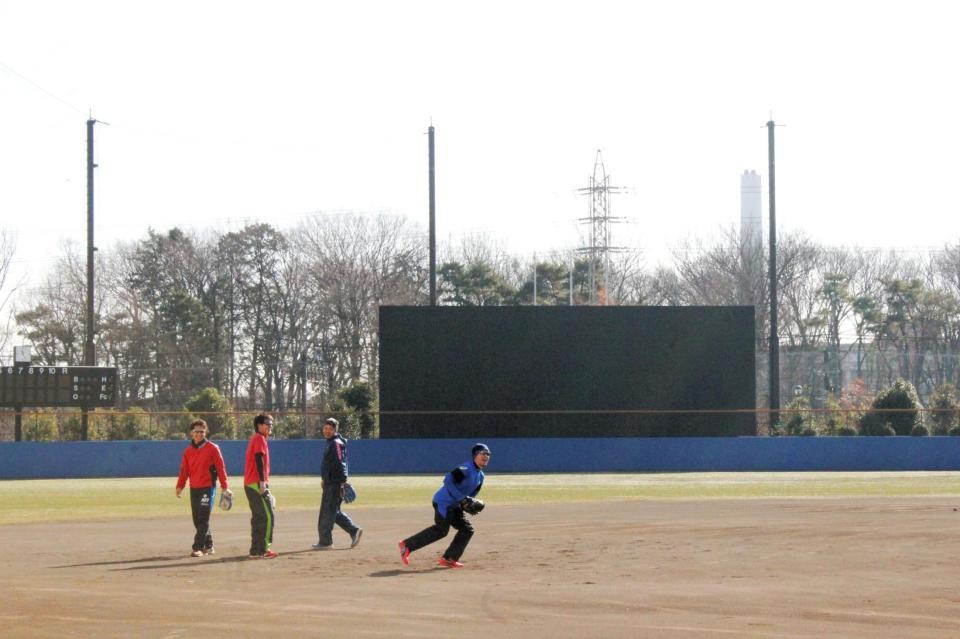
x=201 y=503
x=261 y=521
x=439 y=530
x=330 y=514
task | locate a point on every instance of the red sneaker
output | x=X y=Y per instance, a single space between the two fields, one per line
x=404 y=553
x=449 y=563
x=269 y=555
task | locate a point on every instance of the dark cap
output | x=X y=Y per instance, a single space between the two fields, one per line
x=332 y=422
x=479 y=448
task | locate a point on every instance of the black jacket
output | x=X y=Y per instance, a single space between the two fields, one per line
x=333 y=468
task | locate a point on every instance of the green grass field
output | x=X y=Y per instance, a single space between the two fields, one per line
x=27 y=501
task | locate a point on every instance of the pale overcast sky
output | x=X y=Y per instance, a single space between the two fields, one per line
x=223 y=112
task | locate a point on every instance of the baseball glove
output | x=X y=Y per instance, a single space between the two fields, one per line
x=269 y=497
x=471 y=506
x=349 y=494
x=226 y=499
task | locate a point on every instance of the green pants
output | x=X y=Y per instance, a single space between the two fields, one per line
x=261 y=520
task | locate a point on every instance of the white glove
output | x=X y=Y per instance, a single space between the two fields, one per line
x=269 y=497
x=226 y=499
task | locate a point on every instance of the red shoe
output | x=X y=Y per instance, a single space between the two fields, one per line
x=449 y=563
x=404 y=553
x=269 y=555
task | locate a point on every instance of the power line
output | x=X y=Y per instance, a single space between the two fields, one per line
x=49 y=94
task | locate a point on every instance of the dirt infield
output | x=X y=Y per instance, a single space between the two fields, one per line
x=868 y=567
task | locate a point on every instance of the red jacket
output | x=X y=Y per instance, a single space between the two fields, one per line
x=257 y=446
x=202 y=464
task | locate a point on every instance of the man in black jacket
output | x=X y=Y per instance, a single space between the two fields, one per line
x=333 y=474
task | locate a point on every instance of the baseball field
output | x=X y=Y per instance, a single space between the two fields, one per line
x=615 y=555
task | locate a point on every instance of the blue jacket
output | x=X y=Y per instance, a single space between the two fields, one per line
x=333 y=468
x=465 y=480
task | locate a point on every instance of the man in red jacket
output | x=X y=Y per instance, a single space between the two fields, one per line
x=202 y=464
x=256 y=485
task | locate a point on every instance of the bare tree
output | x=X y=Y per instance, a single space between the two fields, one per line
x=799 y=267
x=666 y=289
x=55 y=324
x=481 y=249
x=946 y=278
x=730 y=272
x=627 y=282
x=7 y=289
x=356 y=263
x=125 y=326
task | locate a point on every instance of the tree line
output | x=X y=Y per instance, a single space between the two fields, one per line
x=287 y=318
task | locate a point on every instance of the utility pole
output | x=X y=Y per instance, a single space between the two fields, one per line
x=774 y=335
x=89 y=350
x=433 y=220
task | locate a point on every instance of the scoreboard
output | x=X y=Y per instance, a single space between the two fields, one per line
x=56 y=386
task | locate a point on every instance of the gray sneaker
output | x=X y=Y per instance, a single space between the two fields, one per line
x=355 y=537
x=322 y=546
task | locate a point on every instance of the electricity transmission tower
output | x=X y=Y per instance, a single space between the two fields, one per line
x=599 y=249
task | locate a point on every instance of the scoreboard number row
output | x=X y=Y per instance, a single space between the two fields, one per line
x=57 y=386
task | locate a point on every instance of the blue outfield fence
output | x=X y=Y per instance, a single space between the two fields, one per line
x=42 y=460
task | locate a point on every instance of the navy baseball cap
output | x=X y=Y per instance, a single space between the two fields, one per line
x=479 y=448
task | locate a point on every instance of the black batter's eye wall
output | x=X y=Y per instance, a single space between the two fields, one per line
x=541 y=371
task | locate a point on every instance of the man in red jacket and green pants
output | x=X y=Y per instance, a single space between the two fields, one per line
x=202 y=464
x=256 y=485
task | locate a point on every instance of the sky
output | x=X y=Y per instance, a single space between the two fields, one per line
x=215 y=114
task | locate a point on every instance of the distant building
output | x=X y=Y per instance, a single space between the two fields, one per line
x=751 y=210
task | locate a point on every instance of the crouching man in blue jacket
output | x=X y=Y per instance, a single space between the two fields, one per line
x=459 y=485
